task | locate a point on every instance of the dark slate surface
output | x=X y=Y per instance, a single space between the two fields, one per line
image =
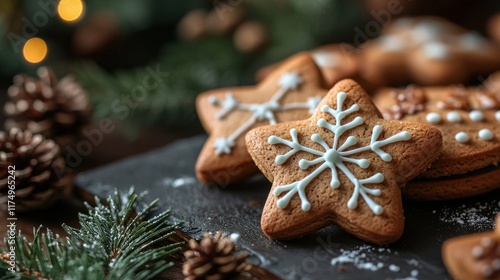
x=168 y=174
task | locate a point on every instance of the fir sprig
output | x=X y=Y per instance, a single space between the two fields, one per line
x=113 y=242
x=167 y=99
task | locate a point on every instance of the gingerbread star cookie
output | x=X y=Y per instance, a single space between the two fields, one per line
x=344 y=165
x=427 y=51
x=469 y=120
x=336 y=61
x=291 y=92
x=474 y=257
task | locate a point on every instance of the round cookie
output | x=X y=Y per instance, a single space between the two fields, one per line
x=452 y=187
x=343 y=165
x=467 y=118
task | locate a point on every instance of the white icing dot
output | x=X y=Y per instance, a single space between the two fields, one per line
x=290 y=80
x=487 y=242
x=433 y=118
x=213 y=100
x=453 y=116
x=436 y=50
x=485 y=134
x=427 y=31
x=497 y=115
x=487 y=272
x=495 y=264
x=471 y=41
x=392 y=43
x=476 y=115
x=477 y=251
x=327 y=59
x=461 y=137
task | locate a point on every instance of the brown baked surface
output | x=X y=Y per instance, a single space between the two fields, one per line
x=336 y=61
x=455 y=158
x=428 y=51
x=454 y=187
x=227 y=168
x=328 y=205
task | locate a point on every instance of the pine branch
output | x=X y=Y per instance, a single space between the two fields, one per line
x=164 y=100
x=114 y=242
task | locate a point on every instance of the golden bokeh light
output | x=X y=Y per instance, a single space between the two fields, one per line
x=70 y=10
x=35 y=50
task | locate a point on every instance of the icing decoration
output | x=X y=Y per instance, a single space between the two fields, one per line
x=433 y=117
x=485 y=134
x=462 y=137
x=260 y=112
x=436 y=50
x=427 y=31
x=471 y=41
x=476 y=115
x=408 y=102
x=326 y=59
x=453 y=116
x=334 y=157
x=497 y=115
x=392 y=43
x=487 y=252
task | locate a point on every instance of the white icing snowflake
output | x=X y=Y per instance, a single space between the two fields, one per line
x=260 y=111
x=335 y=156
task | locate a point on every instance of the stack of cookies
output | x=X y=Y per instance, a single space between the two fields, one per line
x=337 y=154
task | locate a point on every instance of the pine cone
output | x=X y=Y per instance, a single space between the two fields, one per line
x=214 y=257
x=55 y=109
x=39 y=170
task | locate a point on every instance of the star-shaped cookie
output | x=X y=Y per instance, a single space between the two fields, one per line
x=428 y=51
x=291 y=92
x=344 y=165
x=475 y=256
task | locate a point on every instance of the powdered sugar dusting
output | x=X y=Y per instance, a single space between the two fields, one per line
x=394 y=268
x=177 y=182
x=372 y=258
x=476 y=216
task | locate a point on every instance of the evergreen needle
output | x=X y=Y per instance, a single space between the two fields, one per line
x=114 y=241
